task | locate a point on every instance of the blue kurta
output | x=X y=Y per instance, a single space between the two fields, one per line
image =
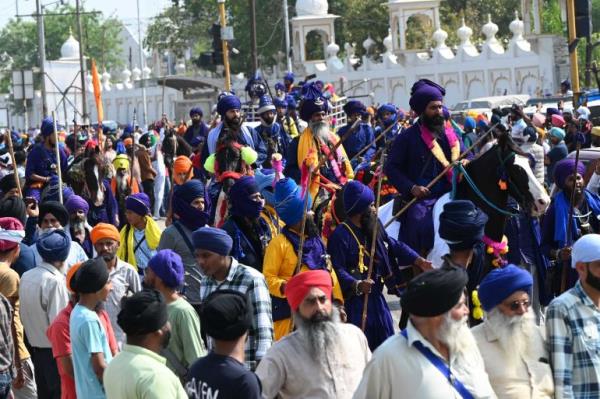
x=343 y=250
x=358 y=140
x=243 y=249
x=39 y=162
x=276 y=141
x=193 y=131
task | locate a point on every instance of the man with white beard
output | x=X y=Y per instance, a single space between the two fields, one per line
x=436 y=356
x=511 y=344
x=323 y=358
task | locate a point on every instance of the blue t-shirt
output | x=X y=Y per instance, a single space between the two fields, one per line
x=87 y=337
x=218 y=376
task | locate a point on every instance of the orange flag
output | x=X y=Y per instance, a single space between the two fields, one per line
x=97 y=92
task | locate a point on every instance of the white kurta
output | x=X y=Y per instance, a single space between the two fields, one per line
x=398 y=370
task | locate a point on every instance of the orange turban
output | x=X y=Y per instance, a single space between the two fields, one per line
x=104 y=230
x=299 y=285
x=128 y=141
x=182 y=164
x=70 y=273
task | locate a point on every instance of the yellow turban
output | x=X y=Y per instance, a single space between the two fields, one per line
x=121 y=161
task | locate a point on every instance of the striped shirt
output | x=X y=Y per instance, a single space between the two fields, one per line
x=573 y=331
x=252 y=283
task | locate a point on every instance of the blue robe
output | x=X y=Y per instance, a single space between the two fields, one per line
x=344 y=251
x=243 y=249
x=357 y=141
x=389 y=136
x=39 y=162
x=194 y=131
x=275 y=139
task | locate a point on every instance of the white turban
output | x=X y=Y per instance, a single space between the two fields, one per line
x=586 y=249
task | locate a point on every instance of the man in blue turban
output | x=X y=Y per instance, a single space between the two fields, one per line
x=271 y=132
x=349 y=248
x=558 y=152
x=586 y=209
x=288 y=81
x=198 y=128
x=265 y=181
x=249 y=231
x=387 y=115
x=416 y=157
x=509 y=339
x=232 y=129
x=362 y=136
x=41 y=161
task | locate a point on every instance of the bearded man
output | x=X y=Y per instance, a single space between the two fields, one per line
x=349 y=248
x=362 y=136
x=436 y=356
x=78 y=226
x=511 y=344
x=315 y=142
x=271 y=132
x=232 y=129
x=417 y=156
x=284 y=119
x=198 y=128
x=122 y=185
x=323 y=358
x=555 y=243
x=387 y=115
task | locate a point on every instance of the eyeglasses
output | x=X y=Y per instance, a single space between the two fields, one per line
x=516 y=305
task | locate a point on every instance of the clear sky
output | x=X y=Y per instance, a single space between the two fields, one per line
x=125 y=10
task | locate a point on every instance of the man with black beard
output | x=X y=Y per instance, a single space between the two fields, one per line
x=232 y=128
x=198 y=128
x=323 y=358
x=436 y=356
x=271 y=132
x=572 y=326
x=349 y=248
x=511 y=344
x=144 y=319
x=416 y=157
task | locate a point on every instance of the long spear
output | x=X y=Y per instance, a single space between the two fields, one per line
x=373 y=240
x=58 y=160
x=438 y=177
x=366 y=148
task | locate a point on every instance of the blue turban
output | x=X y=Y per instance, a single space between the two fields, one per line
x=47 y=127
x=138 y=203
x=183 y=195
x=279 y=86
x=501 y=283
x=128 y=131
x=279 y=103
x=557 y=132
x=228 y=102
x=564 y=168
x=212 y=239
x=190 y=190
x=54 y=245
x=167 y=265
x=76 y=203
x=423 y=92
x=264 y=181
x=357 y=198
x=265 y=104
x=354 y=107
x=196 y=111
x=552 y=111
x=530 y=134
x=312 y=102
x=391 y=108
x=288 y=202
x=289 y=76
x=462 y=224
x=291 y=102
x=469 y=123
x=482 y=124
x=239 y=197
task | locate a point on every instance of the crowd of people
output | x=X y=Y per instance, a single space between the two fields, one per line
x=269 y=277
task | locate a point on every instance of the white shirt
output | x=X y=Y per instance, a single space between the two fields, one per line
x=532 y=378
x=125 y=282
x=398 y=370
x=288 y=371
x=76 y=255
x=43 y=294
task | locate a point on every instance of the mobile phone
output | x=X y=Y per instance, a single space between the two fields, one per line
x=30 y=200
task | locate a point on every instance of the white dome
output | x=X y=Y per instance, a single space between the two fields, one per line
x=70 y=48
x=311 y=7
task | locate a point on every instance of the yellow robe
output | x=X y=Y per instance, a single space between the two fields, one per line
x=278 y=266
x=270 y=216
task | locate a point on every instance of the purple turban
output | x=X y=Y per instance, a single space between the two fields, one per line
x=501 y=283
x=354 y=107
x=239 y=196
x=563 y=169
x=357 y=198
x=446 y=112
x=552 y=111
x=47 y=127
x=228 y=102
x=279 y=86
x=289 y=76
x=167 y=265
x=279 y=103
x=313 y=101
x=138 y=203
x=265 y=104
x=423 y=92
x=291 y=102
x=196 y=111
x=76 y=203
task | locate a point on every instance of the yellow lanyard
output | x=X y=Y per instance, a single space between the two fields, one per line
x=361 y=250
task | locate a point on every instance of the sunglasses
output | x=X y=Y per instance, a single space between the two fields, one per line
x=516 y=305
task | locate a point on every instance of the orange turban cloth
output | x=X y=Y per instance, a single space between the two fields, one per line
x=182 y=164
x=104 y=230
x=70 y=275
x=128 y=141
x=299 y=285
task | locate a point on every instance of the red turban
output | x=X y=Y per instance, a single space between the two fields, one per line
x=102 y=231
x=11 y=233
x=299 y=285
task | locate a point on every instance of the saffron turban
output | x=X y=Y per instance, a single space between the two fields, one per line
x=228 y=102
x=70 y=273
x=212 y=239
x=11 y=233
x=128 y=141
x=298 y=286
x=182 y=164
x=76 y=203
x=501 y=283
x=138 y=203
x=104 y=230
x=434 y=292
x=423 y=92
x=357 y=198
x=168 y=266
x=586 y=249
x=558 y=120
x=462 y=224
x=563 y=169
x=54 y=245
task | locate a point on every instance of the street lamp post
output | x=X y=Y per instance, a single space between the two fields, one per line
x=41 y=53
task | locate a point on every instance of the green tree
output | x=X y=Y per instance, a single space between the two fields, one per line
x=101 y=40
